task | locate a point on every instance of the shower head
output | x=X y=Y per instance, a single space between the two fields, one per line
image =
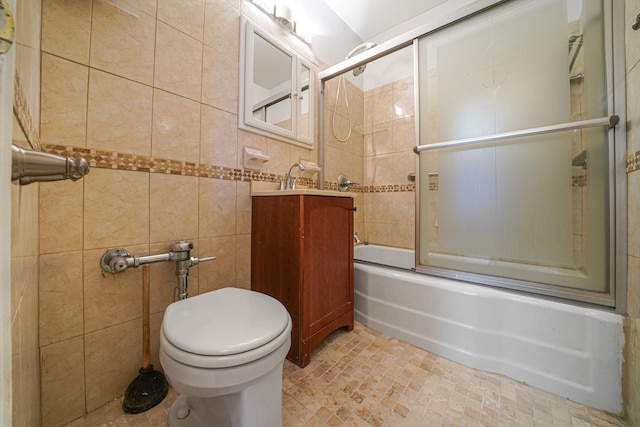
x=359 y=49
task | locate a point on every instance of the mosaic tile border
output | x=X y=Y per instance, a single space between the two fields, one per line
x=104 y=159
x=633 y=162
x=21 y=110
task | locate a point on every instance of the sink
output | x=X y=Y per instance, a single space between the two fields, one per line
x=261 y=188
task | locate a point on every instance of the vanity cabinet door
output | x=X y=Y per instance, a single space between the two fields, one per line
x=327 y=261
x=302 y=255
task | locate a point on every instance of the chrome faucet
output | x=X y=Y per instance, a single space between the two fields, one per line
x=344 y=183
x=356 y=239
x=118 y=260
x=292 y=185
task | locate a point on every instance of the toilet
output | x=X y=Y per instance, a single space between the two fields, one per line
x=224 y=351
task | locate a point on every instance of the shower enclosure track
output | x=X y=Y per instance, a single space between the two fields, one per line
x=611 y=121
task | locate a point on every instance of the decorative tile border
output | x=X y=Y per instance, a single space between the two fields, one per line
x=134 y=162
x=21 y=110
x=104 y=159
x=633 y=162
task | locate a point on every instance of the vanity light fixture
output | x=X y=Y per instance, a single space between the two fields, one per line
x=280 y=11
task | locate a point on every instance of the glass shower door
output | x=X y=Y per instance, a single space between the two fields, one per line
x=515 y=149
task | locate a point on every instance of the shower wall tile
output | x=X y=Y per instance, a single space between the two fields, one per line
x=62 y=364
x=220 y=78
x=219 y=138
x=178 y=63
x=382 y=140
x=61 y=208
x=382 y=107
x=186 y=16
x=122 y=43
x=71 y=40
x=119 y=114
x=111 y=299
x=217 y=207
x=173 y=207
x=175 y=132
x=116 y=208
x=112 y=359
x=221 y=272
x=403 y=99
x=60 y=297
x=63 y=101
x=404 y=135
x=222 y=27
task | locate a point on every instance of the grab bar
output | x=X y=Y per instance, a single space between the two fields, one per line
x=611 y=121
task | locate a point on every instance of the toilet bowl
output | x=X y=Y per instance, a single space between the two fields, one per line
x=224 y=351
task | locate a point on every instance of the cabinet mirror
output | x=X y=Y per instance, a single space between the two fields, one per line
x=276 y=89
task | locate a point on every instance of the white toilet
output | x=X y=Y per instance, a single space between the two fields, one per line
x=223 y=351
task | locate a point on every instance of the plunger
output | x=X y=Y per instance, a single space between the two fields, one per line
x=150 y=387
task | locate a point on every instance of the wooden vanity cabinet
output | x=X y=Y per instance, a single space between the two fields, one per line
x=302 y=255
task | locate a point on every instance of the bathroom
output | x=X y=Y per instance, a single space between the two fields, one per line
x=71 y=328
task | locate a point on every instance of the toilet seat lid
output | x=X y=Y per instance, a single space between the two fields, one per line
x=224 y=322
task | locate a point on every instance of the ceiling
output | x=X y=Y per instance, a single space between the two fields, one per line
x=370 y=18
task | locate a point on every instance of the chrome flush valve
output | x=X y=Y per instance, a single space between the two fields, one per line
x=117 y=260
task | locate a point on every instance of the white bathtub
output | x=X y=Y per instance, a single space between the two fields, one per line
x=571 y=351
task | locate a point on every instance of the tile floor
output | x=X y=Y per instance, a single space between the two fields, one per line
x=365 y=378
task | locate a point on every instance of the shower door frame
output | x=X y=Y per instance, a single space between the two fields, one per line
x=614 y=25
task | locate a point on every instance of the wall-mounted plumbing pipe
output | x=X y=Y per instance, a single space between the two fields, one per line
x=29 y=166
x=117 y=260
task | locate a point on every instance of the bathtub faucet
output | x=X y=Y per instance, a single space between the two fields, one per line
x=344 y=183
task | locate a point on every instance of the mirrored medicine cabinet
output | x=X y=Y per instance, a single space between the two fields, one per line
x=276 y=88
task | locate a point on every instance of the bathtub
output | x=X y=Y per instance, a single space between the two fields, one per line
x=571 y=351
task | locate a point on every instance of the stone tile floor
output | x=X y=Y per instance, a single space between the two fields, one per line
x=366 y=378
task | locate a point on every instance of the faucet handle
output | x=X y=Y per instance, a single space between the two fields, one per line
x=344 y=183
x=195 y=260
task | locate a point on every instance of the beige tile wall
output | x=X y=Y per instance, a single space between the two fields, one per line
x=631 y=369
x=345 y=157
x=388 y=158
x=146 y=88
x=25 y=364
